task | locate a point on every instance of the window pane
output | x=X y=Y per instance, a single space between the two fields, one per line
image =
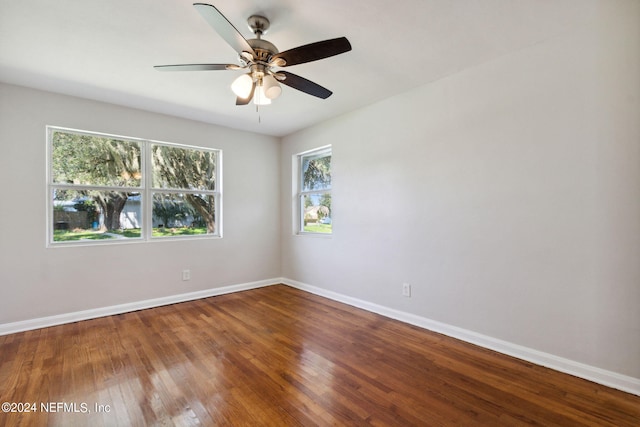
x=183 y=168
x=317 y=213
x=93 y=160
x=95 y=215
x=316 y=172
x=183 y=214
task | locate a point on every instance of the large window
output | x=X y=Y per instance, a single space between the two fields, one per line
x=314 y=196
x=105 y=188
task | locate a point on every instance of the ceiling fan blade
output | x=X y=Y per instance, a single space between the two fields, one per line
x=304 y=85
x=245 y=101
x=224 y=28
x=314 y=51
x=193 y=67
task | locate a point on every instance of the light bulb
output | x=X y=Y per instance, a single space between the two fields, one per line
x=272 y=88
x=259 y=97
x=242 y=86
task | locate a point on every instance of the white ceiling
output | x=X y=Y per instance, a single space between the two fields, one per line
x=105 y=50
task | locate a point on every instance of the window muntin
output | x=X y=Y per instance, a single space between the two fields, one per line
x=314 y=197
x=107 y=188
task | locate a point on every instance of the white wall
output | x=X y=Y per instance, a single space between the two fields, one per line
x=508 y=195
x=37 y=282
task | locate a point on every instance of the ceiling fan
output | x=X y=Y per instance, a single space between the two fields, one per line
x=260 y=59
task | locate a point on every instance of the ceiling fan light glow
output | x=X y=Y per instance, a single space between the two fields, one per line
x=271 y=87
x=259 y=97
x=242 y=86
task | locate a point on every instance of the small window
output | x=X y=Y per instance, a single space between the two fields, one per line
x=314 y=196
x=105 y=188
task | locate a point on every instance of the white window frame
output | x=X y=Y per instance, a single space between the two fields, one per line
x=301 y=193
x=145 y=189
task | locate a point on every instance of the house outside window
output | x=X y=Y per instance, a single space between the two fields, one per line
x=112 y=189
x=314 y=196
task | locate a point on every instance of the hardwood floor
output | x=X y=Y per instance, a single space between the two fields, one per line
x=279 y=356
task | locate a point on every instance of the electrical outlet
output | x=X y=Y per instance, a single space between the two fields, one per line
x=186 y=275
x=406 y=290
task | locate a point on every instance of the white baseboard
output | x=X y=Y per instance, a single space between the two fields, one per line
x=44 y=322
x=581 y=370
x=591 y=373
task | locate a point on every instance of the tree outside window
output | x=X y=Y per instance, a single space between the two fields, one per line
x=104 y=187
x=315 y=191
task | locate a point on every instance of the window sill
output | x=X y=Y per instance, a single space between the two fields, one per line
x=316 y=235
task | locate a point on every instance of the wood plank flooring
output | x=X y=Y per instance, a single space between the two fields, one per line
x=278 y=356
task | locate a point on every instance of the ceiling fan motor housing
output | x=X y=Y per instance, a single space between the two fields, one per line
x=264 y=49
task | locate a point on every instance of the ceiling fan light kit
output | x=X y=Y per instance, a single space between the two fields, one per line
x=259 y=58
x=271 y=87
x=242 y=86
x=260 y=97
